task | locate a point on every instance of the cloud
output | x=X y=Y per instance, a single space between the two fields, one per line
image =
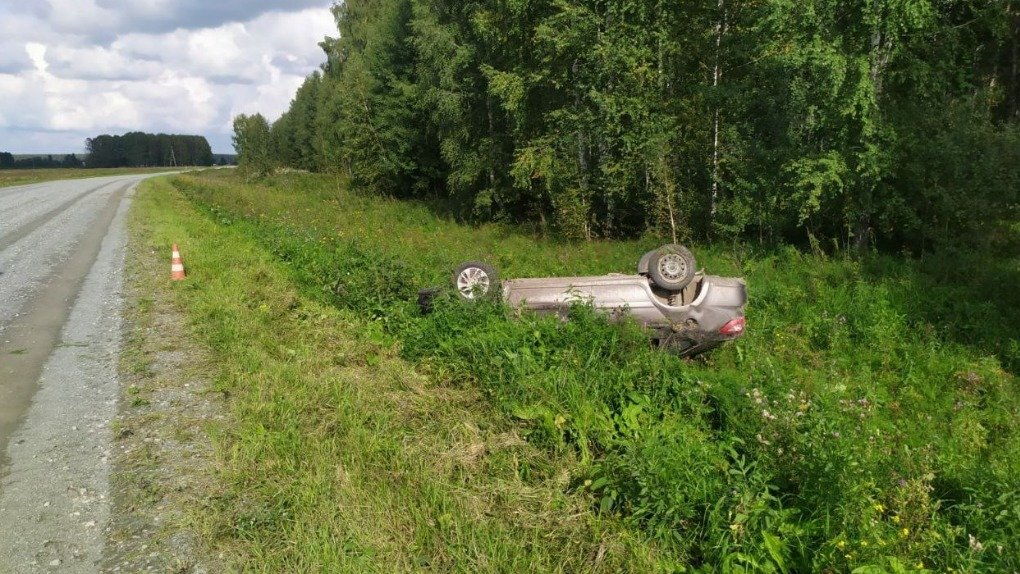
x=100 y=63
x=13 y=57
x=102 y=20
x=61 y=81
x=37 y=54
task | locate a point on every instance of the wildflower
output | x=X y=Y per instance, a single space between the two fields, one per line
x=864 y=543
x=920 y=565
x=896 y=519
x=975 y=544
x=841 y=544
x=879 y=508
x=905 y=532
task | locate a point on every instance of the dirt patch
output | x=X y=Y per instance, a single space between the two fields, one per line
x=163 y=454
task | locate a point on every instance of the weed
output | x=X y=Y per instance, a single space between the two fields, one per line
x=867 y=420
x=340 y=456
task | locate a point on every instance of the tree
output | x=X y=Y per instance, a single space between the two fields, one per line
x=371 y=96
x=609 y=118
x=137 y=149
x=253 y=145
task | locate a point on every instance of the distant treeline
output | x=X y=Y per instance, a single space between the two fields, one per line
x=882 y=121
x=8 y=161
x=137 y=149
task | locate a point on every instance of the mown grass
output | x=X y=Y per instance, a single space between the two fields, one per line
x=340 y=456
x=9 y=177
x=869 y=419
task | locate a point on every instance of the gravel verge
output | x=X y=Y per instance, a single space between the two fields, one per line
x=164 y=461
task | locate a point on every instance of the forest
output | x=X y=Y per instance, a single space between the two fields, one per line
x=8 y=161
x=886 y=123
x=137 y=149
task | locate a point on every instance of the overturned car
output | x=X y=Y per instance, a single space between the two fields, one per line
x=684 y=310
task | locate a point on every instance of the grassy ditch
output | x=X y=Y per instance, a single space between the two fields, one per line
x=870 y=417
x=341 y=456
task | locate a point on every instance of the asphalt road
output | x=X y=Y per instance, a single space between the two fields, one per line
x=61 y=269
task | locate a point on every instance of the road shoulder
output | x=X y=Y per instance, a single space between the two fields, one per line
x=163 y=454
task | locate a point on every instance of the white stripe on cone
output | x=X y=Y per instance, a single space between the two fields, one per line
x=176 y=265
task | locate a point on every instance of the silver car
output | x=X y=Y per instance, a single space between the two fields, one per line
x=683 y=309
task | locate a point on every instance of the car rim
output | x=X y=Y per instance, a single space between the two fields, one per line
x=672 y=267
x=471 y=279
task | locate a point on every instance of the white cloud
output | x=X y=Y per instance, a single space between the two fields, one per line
x=99 y=63
x=37 y=54
x=82 y=17
x=58 y=85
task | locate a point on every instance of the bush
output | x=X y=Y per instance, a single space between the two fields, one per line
x=853 y=427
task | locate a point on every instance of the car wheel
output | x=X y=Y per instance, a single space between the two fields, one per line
x=672 y=267
x=475 y=280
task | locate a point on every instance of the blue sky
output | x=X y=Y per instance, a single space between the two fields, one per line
x=72 y=69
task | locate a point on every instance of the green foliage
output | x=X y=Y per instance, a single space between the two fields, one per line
x=368 y=123
x=9 y=162
x=889 y=122
x=252 y=140
x=137 y=149
x=334 y=454
x=294 y=136
x=868 y=421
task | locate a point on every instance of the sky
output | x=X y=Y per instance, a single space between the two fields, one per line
x=74 y=69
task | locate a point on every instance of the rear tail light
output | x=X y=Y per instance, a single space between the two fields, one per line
x=734 y=328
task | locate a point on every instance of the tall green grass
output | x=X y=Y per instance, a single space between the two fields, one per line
x=869 y=419
x=336 y=454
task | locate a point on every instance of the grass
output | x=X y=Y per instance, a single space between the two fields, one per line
x=341 y=455
x=869 y=419
x=9 y=177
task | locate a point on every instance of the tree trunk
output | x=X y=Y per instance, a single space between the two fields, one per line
x=583 y=159
x=582 y=135
x=720 y=29
x=492 y=144
x=1014 y=77
x=878 y=58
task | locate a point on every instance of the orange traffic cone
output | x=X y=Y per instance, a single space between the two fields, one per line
x=177 y=266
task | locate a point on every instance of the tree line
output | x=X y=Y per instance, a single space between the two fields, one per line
x=889 y=122
x=8 y=161
x=137 y=149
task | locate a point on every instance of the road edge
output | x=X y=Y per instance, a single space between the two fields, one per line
x=167 y=413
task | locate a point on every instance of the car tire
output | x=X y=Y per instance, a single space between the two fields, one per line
x=476 y=280
x=672 y=267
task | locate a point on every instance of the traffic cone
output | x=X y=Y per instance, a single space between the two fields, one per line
x=177 y=266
